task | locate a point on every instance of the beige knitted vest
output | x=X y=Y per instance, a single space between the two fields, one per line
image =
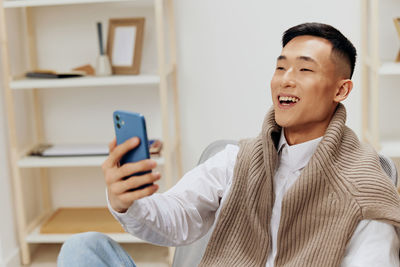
x=341 y=185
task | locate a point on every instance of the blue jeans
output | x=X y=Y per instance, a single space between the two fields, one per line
x=93 y=249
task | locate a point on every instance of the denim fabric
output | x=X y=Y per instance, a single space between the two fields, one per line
x=93 y=249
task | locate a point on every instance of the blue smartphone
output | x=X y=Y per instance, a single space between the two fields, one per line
x=127 y=125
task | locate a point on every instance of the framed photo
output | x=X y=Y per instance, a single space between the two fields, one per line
x=397 y=25
x=124 y=45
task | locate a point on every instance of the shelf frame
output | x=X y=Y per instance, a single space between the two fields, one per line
x=42 y=3
x=13 y=150
x=72 y=161
x=373 y=70
x=167 y=71
x=35 y=237
x=390 y=148
x=389 y=68
x=116 y=80
x=370 y=81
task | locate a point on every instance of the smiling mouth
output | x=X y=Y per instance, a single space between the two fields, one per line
x=288 y=101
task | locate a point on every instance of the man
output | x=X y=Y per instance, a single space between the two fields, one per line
x=305 y=192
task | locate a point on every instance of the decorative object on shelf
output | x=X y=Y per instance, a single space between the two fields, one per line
x=49 y=74
x=87 y=69
x=103 y=67
x=155 y=147
x=397 y=25
x=124 y=44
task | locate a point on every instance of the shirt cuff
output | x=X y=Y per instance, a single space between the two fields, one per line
x=132 y=215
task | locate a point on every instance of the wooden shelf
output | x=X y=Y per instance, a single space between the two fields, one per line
x=390 y=68
x=81 y=161
x=386 y=68
x=73 y=223
x=116 y=80
x=390 y=148
x=37 y=3
x=36 y=237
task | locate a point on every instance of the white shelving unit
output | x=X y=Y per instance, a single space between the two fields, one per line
x=165 y=79
x=52 y=162
x=35 y=237
x=374 y=73
x=389 y=68
x=26 y=84
x=391 y=148
x=38 y=3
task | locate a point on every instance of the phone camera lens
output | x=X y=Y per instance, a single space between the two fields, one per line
x=118 y=125
x=117 y=117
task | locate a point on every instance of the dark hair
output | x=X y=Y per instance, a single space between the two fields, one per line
x=341 y=45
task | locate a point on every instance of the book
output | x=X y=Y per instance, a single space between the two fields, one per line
x=64 y=150
x=52 y=74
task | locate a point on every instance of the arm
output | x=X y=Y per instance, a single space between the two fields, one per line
x=185 y=212
x=373 y=244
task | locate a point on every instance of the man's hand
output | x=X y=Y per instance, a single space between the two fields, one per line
x=119 y=194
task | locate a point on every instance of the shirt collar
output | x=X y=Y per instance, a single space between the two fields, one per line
x=297 y=156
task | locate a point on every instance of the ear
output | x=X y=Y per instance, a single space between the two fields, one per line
x=343 y=90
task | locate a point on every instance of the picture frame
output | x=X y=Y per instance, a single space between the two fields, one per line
x=124 y=44
x=397 y=25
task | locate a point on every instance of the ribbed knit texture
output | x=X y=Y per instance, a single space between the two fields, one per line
x=342 y=184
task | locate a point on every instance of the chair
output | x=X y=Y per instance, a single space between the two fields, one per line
x=191 y=255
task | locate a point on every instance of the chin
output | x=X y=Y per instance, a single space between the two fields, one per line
x=281 y=121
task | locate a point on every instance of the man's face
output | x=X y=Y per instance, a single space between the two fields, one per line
x=303 y=85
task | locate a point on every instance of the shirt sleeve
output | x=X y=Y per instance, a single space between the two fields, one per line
x=186 y=212
x=373 y=243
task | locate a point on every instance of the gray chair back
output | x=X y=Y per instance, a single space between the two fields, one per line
x=390 y=168
x=190 y=255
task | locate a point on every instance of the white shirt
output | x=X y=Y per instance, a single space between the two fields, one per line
x=187 y=211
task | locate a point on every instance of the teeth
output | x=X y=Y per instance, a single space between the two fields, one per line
x=289 y=98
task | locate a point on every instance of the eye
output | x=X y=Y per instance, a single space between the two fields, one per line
x=304 y=69
x=280 y=68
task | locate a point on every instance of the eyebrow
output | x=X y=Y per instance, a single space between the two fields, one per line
x=305 y=58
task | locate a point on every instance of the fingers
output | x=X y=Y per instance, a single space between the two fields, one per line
x=129 y=169
x=119 y=151
x=120 y=192
x=112 y=144
x=134 y=182
x=122 y=202
x=138 y=194
x=114 y=175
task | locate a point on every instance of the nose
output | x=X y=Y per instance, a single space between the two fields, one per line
x=288 y=79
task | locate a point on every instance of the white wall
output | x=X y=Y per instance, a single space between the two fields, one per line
x=227 y=55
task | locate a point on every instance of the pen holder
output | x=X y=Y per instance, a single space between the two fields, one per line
x=103 y=67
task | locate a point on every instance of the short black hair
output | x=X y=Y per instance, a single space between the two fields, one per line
x=341 y=45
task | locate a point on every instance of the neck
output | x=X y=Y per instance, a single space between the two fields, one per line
x=305 y=133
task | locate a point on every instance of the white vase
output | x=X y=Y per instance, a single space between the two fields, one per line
x=103 y=66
